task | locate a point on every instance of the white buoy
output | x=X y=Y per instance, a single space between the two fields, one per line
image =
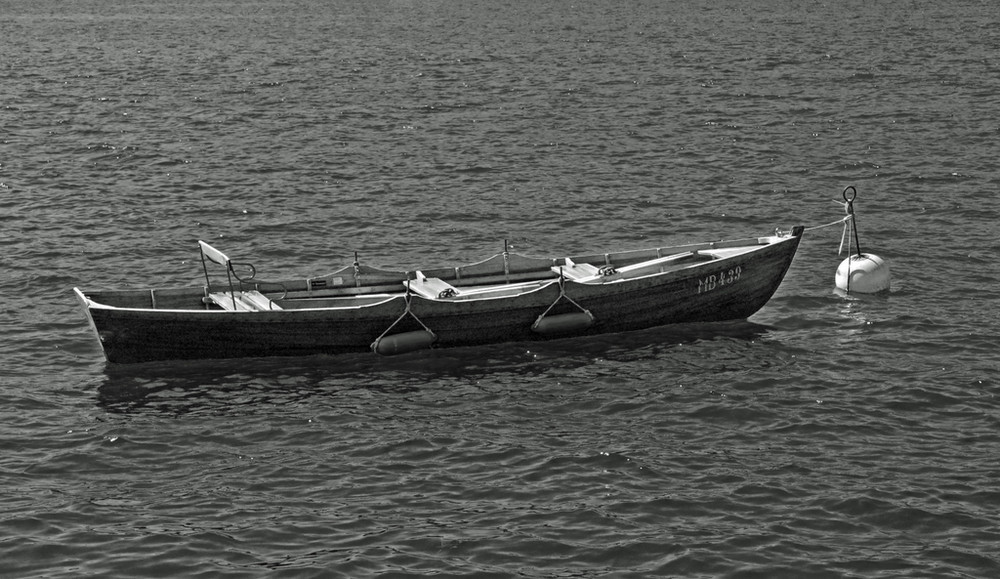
x=864 y=273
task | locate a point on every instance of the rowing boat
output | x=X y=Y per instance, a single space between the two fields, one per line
x=506 y=298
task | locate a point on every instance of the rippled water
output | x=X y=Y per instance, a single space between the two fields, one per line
x=828 y=436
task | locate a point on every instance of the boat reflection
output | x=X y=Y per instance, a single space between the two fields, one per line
x=240 y=385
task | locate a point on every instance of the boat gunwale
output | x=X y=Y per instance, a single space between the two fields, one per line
x=542 y=284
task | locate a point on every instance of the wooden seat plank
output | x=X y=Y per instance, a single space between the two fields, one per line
x=577 y=271
x=248 y=301
x=261 y=301
x=431 y=287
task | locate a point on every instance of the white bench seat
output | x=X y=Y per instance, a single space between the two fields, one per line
x=431 y=287
x=248 y=301
x=577 y=271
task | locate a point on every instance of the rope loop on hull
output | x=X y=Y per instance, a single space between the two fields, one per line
x=407 y=341
x=563 y=323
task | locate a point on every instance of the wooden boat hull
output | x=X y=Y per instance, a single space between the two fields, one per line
x=728 y=287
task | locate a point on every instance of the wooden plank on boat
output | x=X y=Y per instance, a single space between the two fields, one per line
x=647 y=267
x=592 y=274
x=248 y=301
x=577 y=271
x=229 y=301
x=261 y=301
x=432 y=287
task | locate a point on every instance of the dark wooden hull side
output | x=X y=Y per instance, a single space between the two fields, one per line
x=145 y=335
x=725 y=289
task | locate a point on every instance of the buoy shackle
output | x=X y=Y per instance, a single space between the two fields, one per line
x=849 y=207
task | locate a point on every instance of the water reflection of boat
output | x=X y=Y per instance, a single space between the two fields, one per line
x=225 y=387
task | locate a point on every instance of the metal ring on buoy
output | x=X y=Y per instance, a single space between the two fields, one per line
x=852 y=223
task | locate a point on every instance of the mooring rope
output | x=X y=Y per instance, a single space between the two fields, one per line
x=837 y=222
x=850 y=227
x=847 y=220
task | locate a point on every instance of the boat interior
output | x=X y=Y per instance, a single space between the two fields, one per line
x=354 y=286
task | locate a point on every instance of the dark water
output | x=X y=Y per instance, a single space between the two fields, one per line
x=828 y=436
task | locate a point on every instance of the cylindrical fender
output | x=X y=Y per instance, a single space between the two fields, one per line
x=405 y=342
x=563 y=323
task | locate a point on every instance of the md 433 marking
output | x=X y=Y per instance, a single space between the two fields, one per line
x=717 y=280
